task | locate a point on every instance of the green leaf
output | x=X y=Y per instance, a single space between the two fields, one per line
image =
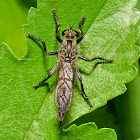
x=89 y=131
x=110 y=32
x=13 y=16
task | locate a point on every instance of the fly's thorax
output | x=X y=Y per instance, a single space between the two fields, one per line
x=68 y=51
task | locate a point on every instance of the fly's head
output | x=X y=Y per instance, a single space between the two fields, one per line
x=70 y=33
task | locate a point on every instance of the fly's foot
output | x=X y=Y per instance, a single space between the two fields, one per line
x=53 y=10
x=91 y=106
x=111 y=61
x=108 y=61
x=29 y=35
x=35 y=87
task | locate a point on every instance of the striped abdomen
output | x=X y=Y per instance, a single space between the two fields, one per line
x=64 y=89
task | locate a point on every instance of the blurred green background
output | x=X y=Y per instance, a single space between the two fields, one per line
x=122 y=113
x=14 y=13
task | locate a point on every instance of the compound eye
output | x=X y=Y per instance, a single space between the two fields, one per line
x=75 y=33
x=65 y=32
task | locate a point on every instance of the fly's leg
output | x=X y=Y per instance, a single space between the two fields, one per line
x=58 y=26
x=79 y=29
x=82 y=87
x=80 y=24
x=89 y=60
x=51 y=53
x=49 y=75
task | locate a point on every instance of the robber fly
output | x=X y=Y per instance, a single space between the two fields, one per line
x=66 y=67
